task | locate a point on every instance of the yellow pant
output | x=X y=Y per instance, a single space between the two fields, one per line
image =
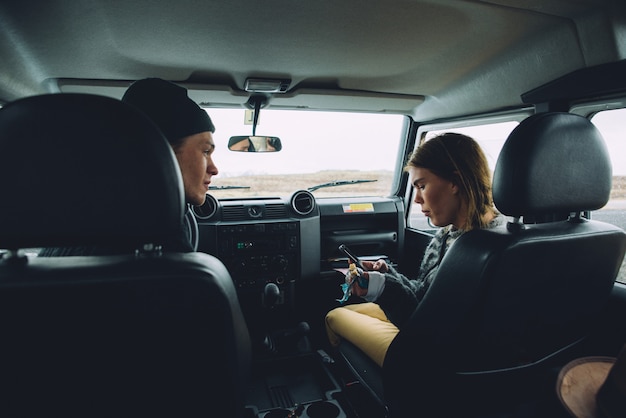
x=363 y=324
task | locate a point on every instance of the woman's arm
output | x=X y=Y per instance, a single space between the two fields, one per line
x=400 y=296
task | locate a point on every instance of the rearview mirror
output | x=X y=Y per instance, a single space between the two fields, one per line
x=246 y=143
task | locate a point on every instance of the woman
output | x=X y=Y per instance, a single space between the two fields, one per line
x=452 y=183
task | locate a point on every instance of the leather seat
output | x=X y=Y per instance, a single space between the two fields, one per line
x=508 y=305
x=143 y=333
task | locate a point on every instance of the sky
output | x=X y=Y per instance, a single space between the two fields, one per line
x=327 y=141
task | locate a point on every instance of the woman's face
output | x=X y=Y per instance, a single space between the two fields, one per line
x=196 y=165
x=439 y=198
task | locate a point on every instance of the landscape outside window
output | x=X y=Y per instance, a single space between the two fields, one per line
x=317 y=147
x=612 y=125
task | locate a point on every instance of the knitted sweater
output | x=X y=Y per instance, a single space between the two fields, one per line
x=401 y=295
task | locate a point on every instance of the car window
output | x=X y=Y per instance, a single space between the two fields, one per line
x=317 y=147
x=612 y=125
x=490 y=137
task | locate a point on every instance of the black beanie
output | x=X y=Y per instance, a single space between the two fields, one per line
x=169 y=107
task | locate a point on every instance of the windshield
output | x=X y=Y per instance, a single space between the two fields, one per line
x=353 y=153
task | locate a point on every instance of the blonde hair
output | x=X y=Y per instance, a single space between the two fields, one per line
x=460 y=160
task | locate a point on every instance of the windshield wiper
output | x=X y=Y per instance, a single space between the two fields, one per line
x=227 y=187
x=338 y=183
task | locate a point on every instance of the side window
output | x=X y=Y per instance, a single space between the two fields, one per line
x=612 y=125
x=491 y=138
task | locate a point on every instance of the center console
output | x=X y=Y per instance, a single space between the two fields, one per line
x=276 y=249
x=297 y=387
x=267 y=245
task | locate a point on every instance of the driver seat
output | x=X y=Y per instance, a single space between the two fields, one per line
x=140 y=332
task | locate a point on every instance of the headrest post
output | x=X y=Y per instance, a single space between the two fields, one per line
x=577 y=217
x=13 y=256
x=515 y=225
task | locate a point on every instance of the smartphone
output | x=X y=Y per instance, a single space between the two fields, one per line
x=353 y=257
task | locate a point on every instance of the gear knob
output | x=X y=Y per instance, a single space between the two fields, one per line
x=271 y=293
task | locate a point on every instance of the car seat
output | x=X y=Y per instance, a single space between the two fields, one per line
x=509 y=304
x=141 y=333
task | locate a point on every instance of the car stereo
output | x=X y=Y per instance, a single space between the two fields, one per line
x=260 y=253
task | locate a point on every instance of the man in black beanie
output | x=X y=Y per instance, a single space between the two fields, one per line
x=186 y=126
x=189 y=130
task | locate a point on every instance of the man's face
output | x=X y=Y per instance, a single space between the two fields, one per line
x=194 y=156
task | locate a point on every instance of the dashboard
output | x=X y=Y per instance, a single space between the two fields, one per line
x=265 y=240
x=269 y=244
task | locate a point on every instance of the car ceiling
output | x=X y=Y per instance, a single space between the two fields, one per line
x=430 y=59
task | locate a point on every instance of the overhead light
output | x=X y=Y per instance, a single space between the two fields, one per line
x=266 y=85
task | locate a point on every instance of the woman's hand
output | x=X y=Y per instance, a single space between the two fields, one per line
x=379 y=265
x=360 y=283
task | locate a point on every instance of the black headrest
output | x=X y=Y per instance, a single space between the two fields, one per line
x=81 y=169
x=552 y=163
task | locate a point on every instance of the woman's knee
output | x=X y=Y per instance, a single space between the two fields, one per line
x=333 y=337
x=331 y=316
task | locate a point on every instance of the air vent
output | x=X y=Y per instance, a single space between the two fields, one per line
x=207 y=209
x=234 y=213
x=303 y=202
x=275 y=211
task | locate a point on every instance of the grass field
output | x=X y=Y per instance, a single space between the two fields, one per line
x=284 y=185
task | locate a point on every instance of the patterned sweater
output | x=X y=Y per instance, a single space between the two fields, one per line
x=401 y=295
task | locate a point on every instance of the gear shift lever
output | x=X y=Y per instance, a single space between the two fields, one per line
x=271 y=293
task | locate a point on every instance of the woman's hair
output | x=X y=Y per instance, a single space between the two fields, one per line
x=460 y=160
